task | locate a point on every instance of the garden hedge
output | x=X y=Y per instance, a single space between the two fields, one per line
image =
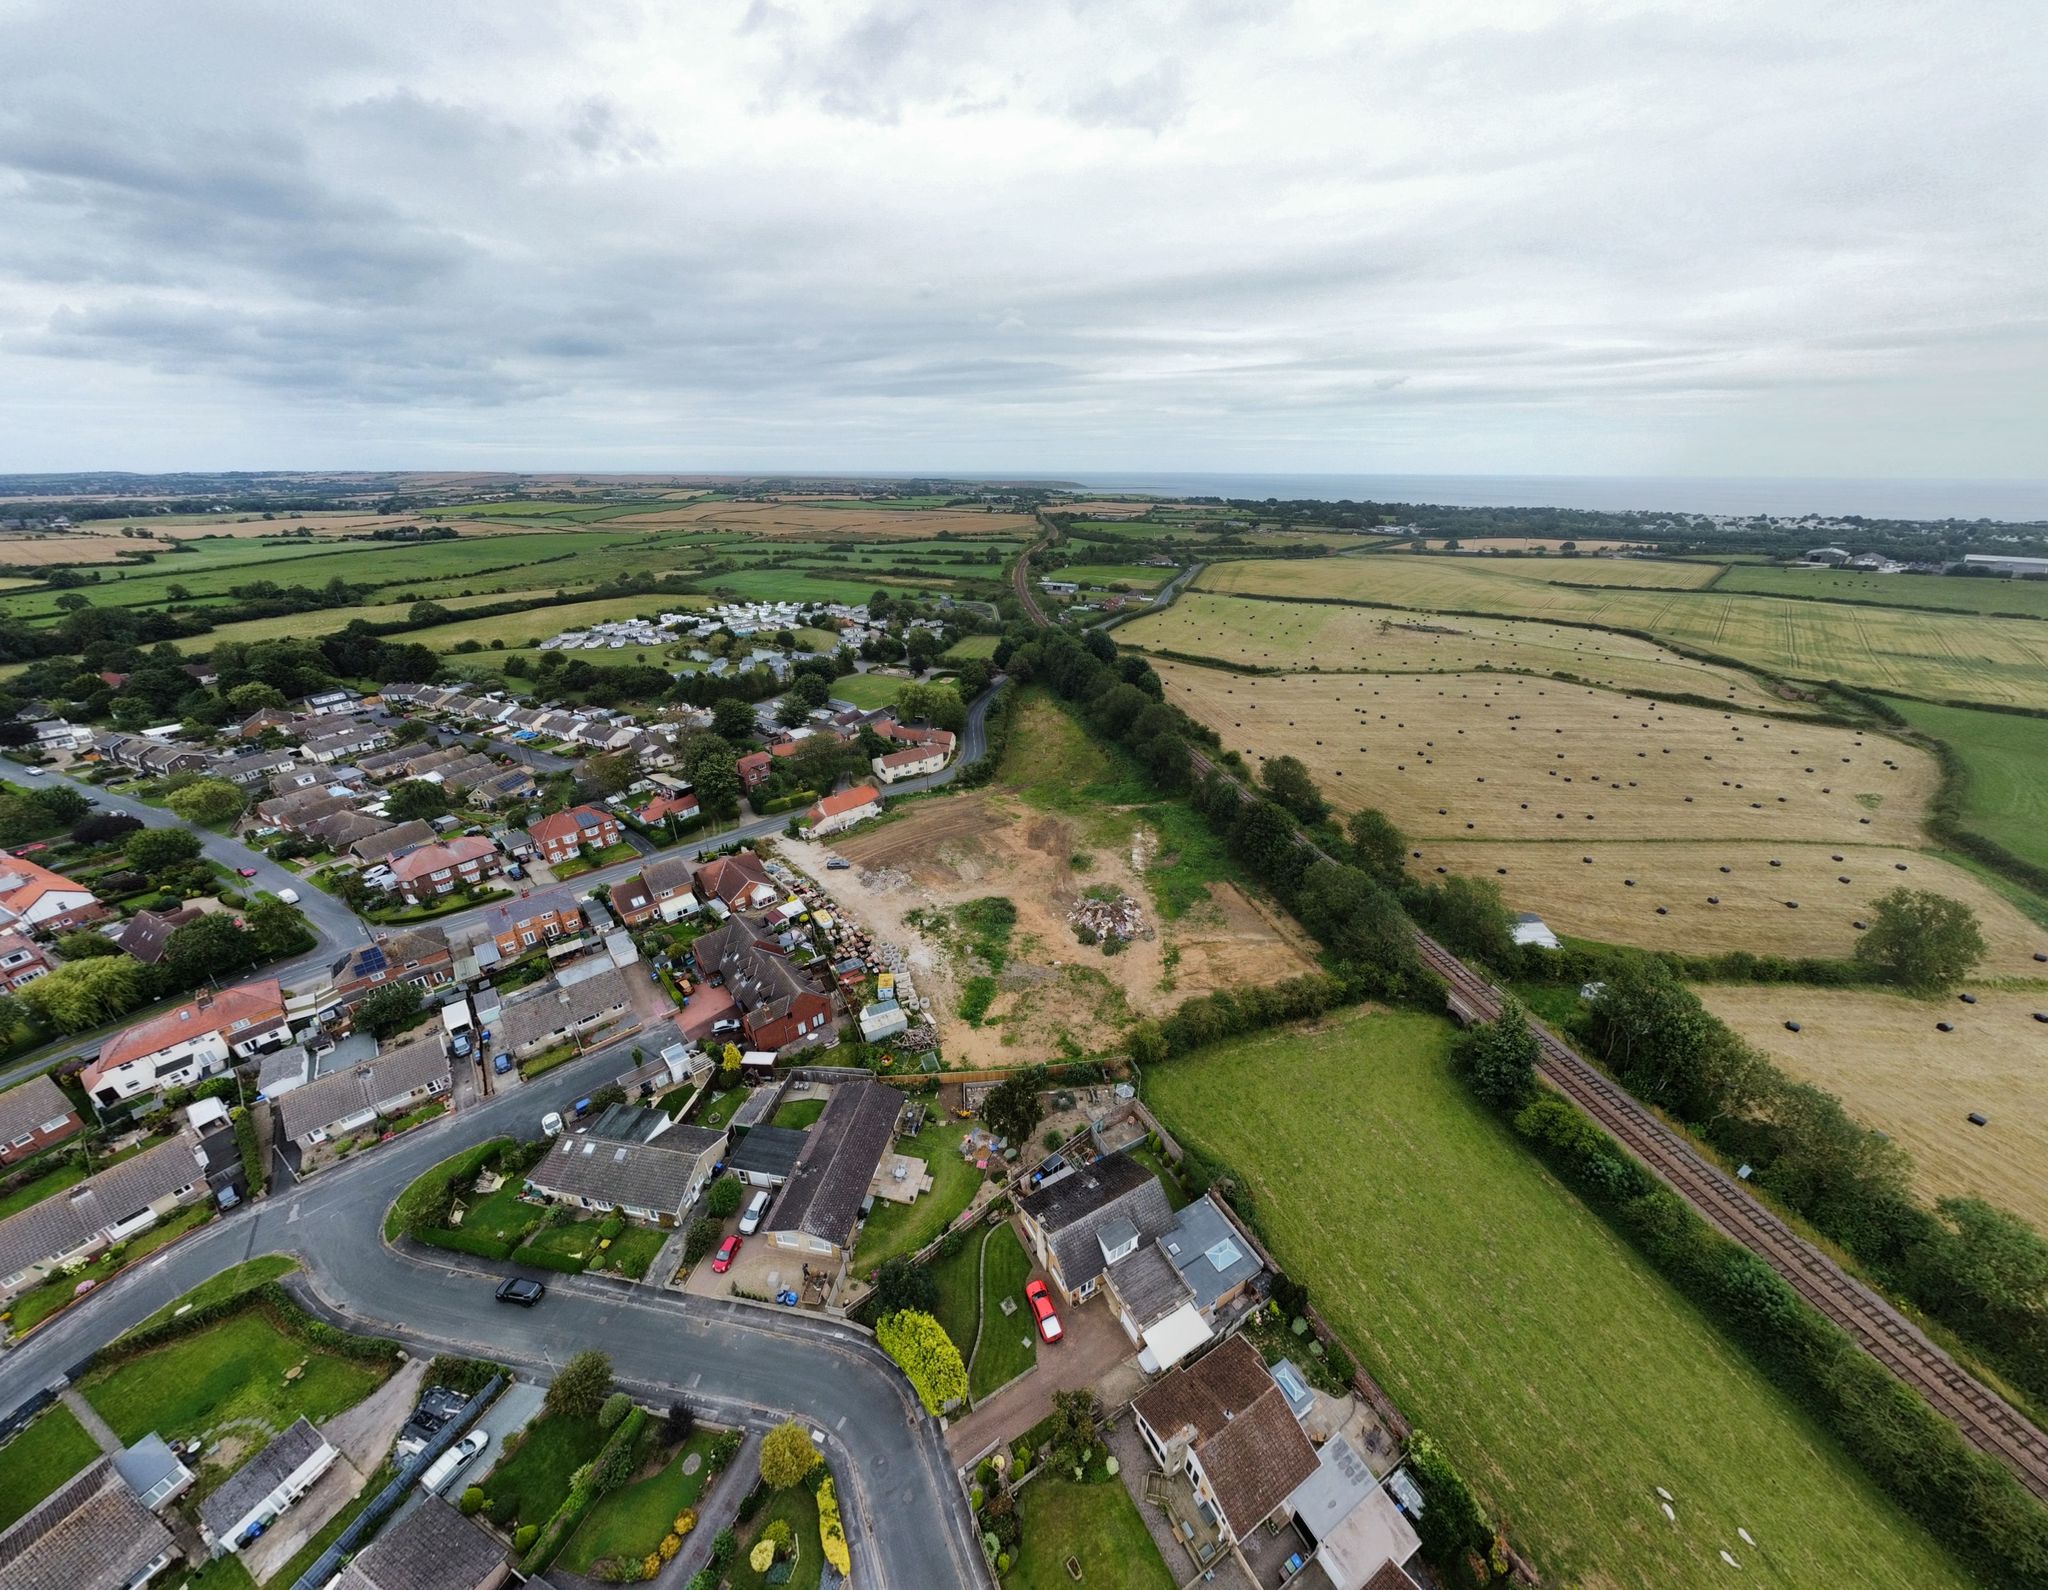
x=283 y=1310
x=542 y=1259
x=459 y=1241
x=612 y=1464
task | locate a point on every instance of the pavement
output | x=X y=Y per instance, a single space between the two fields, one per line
x=739 y=1365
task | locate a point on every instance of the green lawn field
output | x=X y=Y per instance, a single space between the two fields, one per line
x=1940 y=655
x=1562 y=1375
x=868 y=691
x=2005 y=794
x=1971 y=595
x=1135 y=575
x=1098 y=1525
x=630 y=1522
x=42 y=1457
x=1009 y=1342
x=973 y=646
x=529 y=1485
x=900 y=1229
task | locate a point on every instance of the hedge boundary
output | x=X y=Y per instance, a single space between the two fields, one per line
x=584 y=1493
x=273 y=1300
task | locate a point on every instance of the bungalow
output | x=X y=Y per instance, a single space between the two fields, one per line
x=145 y=753
x=434 y=870
x=117 y=1203
x=265 y=1486
x=146 y=935
x=496 y=789
x=754 y=769
x=416 y=955
x=189 y=1044
x=431 y=1547
x=836 y=813
x=739 y=881
x=566 y=835
x=350 y=741
x=32 y=1117
x=342 y=1101
x=294 y=812
x=652 y=1170
x=819 y=1210
x=766 y=1156
x=780 y=1008
x=551 y=1013
x=1084 y=1219
x=46 y=901
x=339 y=830
x=91 y=1533
x=912 y=761
x=21 y=958
x=382 y=846
x=262 y=721
x=1224 y=1422
x=683 y=808
x=324 y=703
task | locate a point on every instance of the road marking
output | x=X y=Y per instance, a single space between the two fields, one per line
x=292 y=1216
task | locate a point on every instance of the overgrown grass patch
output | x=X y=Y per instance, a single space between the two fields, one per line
x=530 y=1482
x=1098 y=1525
x=231 y=1282
x=630 y=1522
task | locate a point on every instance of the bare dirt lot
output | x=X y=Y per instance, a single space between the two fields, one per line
x=1894 y=1070
x=1521 y=758
x=1597 y=900
x=1056 y=995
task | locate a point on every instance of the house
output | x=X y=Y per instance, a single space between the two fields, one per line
x=189 y=1044
x=739 y=881
x=145 y=753
x=295 y=811
x=516 y=926
x=323 y=703
x=1172 y=1293
x=55 y=735
x=780 y=1007
x=339 y=830
x=21 y=958
x=662 y=888
x=766 y=1156
x=105 y=1208
x=434 y=870
x=431 y=1547
x=1082 y=1220
x=265 y=1486
x=1224 y=1423
x=614 y=1165
x=33 y=1115
x=906 y=734
x=551 y=1013
x=91 y=1533
x=513 y=784
x=351 y=741
x=819 y=1209
x=836 y=813
x=48 y=902
x=911 y=762
x=262 y=721
x=1354 y=1531
x=417 y=955
x=388 y=842
x=566 y=835
x=754 y=769
x=683 y=808
x=155 y=1473
x=343 y=1101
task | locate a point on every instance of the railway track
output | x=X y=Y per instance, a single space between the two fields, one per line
x=1987 y=1420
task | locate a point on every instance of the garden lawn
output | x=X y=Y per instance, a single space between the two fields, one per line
x=867 y=691
x=46 y=1454
x=720 y=1107
x=590 y=861
x=33 y=1307
x=529 y=1485
x=800 y=1508
x=1560 y=1373
x=633 y=1250
x=895 y=1230
x=797 y=1114
x=1096 y=1524
x=234 y=1370
x=1009 y=1342
x=231 y=1282
x=973 y=646
x=503 y=1214
x=956 y=1277
x=630 y=1522
x=36 y=1190
x=572 y=1239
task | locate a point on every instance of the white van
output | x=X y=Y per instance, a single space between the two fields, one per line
x=750 y=1222
x=455 y=1458
x=289 y=896
x=551 y=1124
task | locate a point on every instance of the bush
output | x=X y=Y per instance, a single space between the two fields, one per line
x=278 y=1304
x=524 y=1536
x=581 y=1388
x=725 y=1196
x=762 y=1557
x=831 y=1531
x=472 y=1501
x=430 y=1199
x=787 y=1455
x=725 y=1446
x=615 y=1408
x=468 y=1376
x=704 y=1236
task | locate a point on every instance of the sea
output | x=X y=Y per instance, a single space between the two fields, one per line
x=2009 y=501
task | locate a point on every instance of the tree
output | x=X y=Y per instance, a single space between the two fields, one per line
x=729 y=1059
x=725 y=1196
x=1657 y=1037
x=733 y=721
x=1921 y=940
x=13 y=1015
x=1470 y=916
x=100 y=828
x=1379 y=847
x=1013 y=1108
x=679 y=1425
x=1288 y=780
x=214 y=945
x=714 y=772
x=1498 y=1058
x=925 y=1353
x=154 y=849
x=581 y=1386
x=904 y=1284
x=207 y=801
x=84 y=944
x=787 y=1456
x=610 y=773
x=278 y=927
x=416 y=798
x=390 y=1009
x=86 y=994
x=810 y=690
x=254 y=697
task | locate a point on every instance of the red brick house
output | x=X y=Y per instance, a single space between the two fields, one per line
x=568 y=834
x=683 y=808
x=534 y=919
x=21 y=959
x=737 y=880
x=416 y=955
x=32 y=1117
x=779 y=1006
x=435 y=870
x=754 y=769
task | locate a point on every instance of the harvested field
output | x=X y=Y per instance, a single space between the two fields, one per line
x=516 y=629
x=812 y=520
x=1595 y=900
x=1938 y=655
x=1506 y=754
x=293 y=626
x=1969 y=594
x=1881 y=1053
x=1307 y=636
x=945 y=852
x=62 y=550
x=1529 y=544
x=1134 y=575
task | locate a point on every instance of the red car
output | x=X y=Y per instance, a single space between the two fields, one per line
x=247 y=872
x=1041 y=1305
x=728 y=1250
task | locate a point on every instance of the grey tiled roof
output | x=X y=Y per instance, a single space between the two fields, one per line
x=91 y=1534
x=68 y=1219
x=767 y=1151
x=1073 y=1209
x=432 y=1548
x=342 y=1093
x=823 y=1195
x=24 y=1108
x=246 y=1488
x=652 y=1175
x=1149 y=1285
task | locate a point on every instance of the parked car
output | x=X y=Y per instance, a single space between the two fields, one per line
x=551 y=1124
x=728 y=1250
x=1041 y=1305
x=35 y=772
x=289 y=896
x=458 y=1456
x=501 y=1063
x=247 y=872
x=750 y=1222
x=838 y=864
x=725 y=1024
x=525 y=1293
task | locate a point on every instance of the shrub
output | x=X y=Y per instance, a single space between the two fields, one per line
x=831 y=1531
x=723 y=1545
x=580 y=1389
x=778 y=1531
x=472 y=1501
x=762 y=1557
x=725 y=1446
x=613 y=1411
x=679 y=1425
x=703 y=1237
x=787 y=1455
x=725 y=1196
x=925 y=1353
x=686 y=1521
x=524 y=1536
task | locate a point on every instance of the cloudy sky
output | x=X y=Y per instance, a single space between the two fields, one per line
x=1702 y=237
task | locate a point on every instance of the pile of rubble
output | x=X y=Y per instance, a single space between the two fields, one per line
x=1107 y=919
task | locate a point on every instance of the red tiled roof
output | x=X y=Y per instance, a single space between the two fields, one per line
x=662 y=806
x=30 y=882
x=450 y=853
x=255 y=1004
x=571 y=824
x=846 y=800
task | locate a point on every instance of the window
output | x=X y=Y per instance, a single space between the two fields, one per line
x=526 y=939
x=24 y=1140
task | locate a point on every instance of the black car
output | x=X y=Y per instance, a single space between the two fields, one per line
x=525 y=1293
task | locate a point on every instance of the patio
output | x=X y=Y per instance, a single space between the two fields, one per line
x=901 y=1178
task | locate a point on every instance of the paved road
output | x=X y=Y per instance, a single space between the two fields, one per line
x=907 y=1520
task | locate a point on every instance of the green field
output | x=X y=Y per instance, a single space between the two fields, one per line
x=529 y=1485
x=2002 y=660
x=1096 y=1524
x=1134 y=575
x=2005 y=792
x=42 y=1457
x=897 y=1229
x=1973 y=595
x=868 y=691
x=973 y=646
x=630 y=1522
x=520 y=629
x=1562 y=1375
x=789 y=585
x=231 y=1282
x=1009 y=1342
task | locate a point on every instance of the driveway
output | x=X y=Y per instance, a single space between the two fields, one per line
x=1094 y=1353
